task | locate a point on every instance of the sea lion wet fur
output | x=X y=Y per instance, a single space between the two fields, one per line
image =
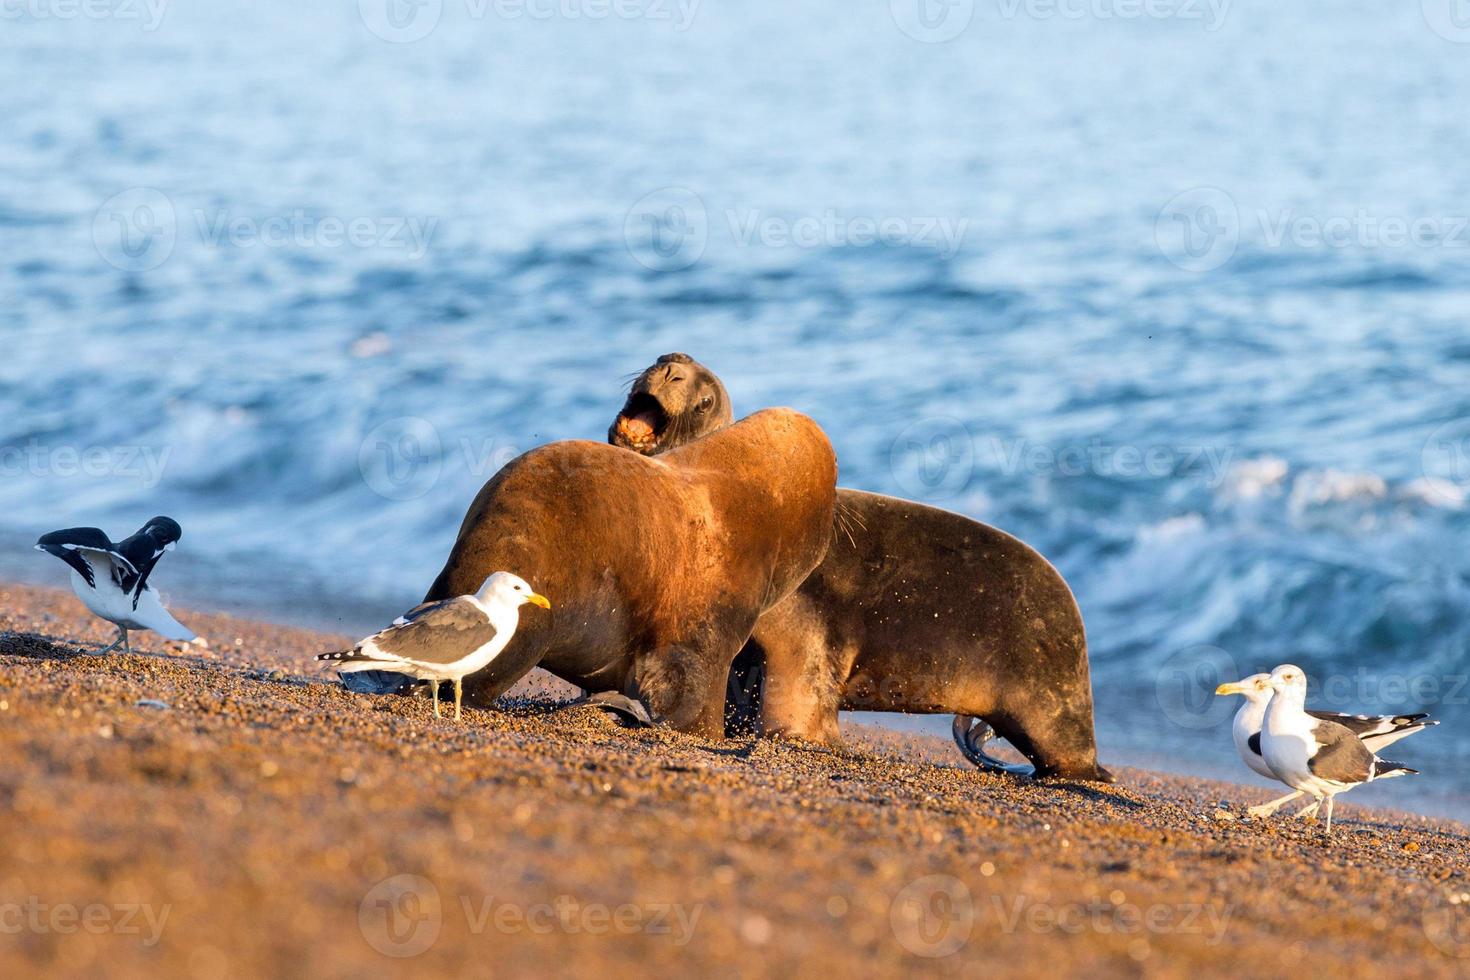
x=913 y=609
x=657 y=568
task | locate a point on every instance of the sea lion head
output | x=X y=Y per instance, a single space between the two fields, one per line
x=674 y=401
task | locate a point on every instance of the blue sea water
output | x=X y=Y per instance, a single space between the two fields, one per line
x=1179 y=297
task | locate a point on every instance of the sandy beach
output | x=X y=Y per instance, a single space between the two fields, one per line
x=232 y=811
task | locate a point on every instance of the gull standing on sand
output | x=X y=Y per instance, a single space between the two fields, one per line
x=1375 y=731
x=112 y=579
x=446 y=641
x=1314 y=756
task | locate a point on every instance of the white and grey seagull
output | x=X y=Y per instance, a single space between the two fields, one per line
x=1321 y=758
x=111 y=578
x=1374 y=731
x=445 y=641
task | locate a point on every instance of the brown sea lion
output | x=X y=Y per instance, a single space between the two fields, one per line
x=913 y=609
x=657 y=568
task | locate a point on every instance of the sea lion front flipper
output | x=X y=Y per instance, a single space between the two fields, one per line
x=629 y=709
x=971 y=734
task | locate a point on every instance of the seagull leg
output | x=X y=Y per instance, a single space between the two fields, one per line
x=1330 y=800
x=121 y=638
x=127 y=644
x=1266 y=809
x=1310 y=810
x=434 y=694
x=458 y=693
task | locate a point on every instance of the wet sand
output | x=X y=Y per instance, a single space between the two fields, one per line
x=232 y=811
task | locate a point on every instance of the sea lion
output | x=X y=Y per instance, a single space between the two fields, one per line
x=913 y=609
x=656 y=568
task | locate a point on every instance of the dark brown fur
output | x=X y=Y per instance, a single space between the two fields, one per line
x=915 y=609
x=656 y=568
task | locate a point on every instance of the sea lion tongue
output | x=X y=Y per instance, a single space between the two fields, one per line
x=637 y=429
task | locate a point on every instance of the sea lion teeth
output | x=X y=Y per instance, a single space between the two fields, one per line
x=637 y=428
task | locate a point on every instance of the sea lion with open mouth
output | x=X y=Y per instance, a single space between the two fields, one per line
x=913 y=609
x=656 y=567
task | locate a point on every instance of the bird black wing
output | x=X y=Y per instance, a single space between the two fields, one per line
x=69 y=543
x=1378 y=732
x=1341 y=756
x=1255 y=743
x=141 y=552
x=442 y=634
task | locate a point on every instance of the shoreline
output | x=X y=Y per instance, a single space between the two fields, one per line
x=286 y=824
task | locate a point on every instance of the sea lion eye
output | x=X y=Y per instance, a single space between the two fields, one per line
x=705 y=403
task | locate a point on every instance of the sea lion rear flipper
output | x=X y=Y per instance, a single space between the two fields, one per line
x=629 y=709
x=971 y=734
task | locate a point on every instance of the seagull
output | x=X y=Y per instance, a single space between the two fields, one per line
x=112 y=579
x=1313 y=756
x=1375 y=731
x=449 y=640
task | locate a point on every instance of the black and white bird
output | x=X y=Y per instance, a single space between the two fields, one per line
x=446 y=641
x=1320 y=758
x=111 y=578
x=1375 y=731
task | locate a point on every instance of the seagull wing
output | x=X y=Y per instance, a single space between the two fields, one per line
x=1340 y=757
x=71 y=544
x=441 y=635
x=1377 y=731
x=418 y=611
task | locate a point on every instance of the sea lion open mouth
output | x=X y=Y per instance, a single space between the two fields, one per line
x=641 y=424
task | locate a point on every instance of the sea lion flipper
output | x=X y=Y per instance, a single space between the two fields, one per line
x=629 y=709
x=971 y=734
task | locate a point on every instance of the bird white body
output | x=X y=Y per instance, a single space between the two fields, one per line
x=1248 y=722
x=111 y=603
x=1289 y=742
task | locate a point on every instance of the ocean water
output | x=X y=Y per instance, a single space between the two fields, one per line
x=1179 y=295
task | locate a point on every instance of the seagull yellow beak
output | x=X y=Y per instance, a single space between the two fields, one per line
x=536 y=599
x=1234 y=687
